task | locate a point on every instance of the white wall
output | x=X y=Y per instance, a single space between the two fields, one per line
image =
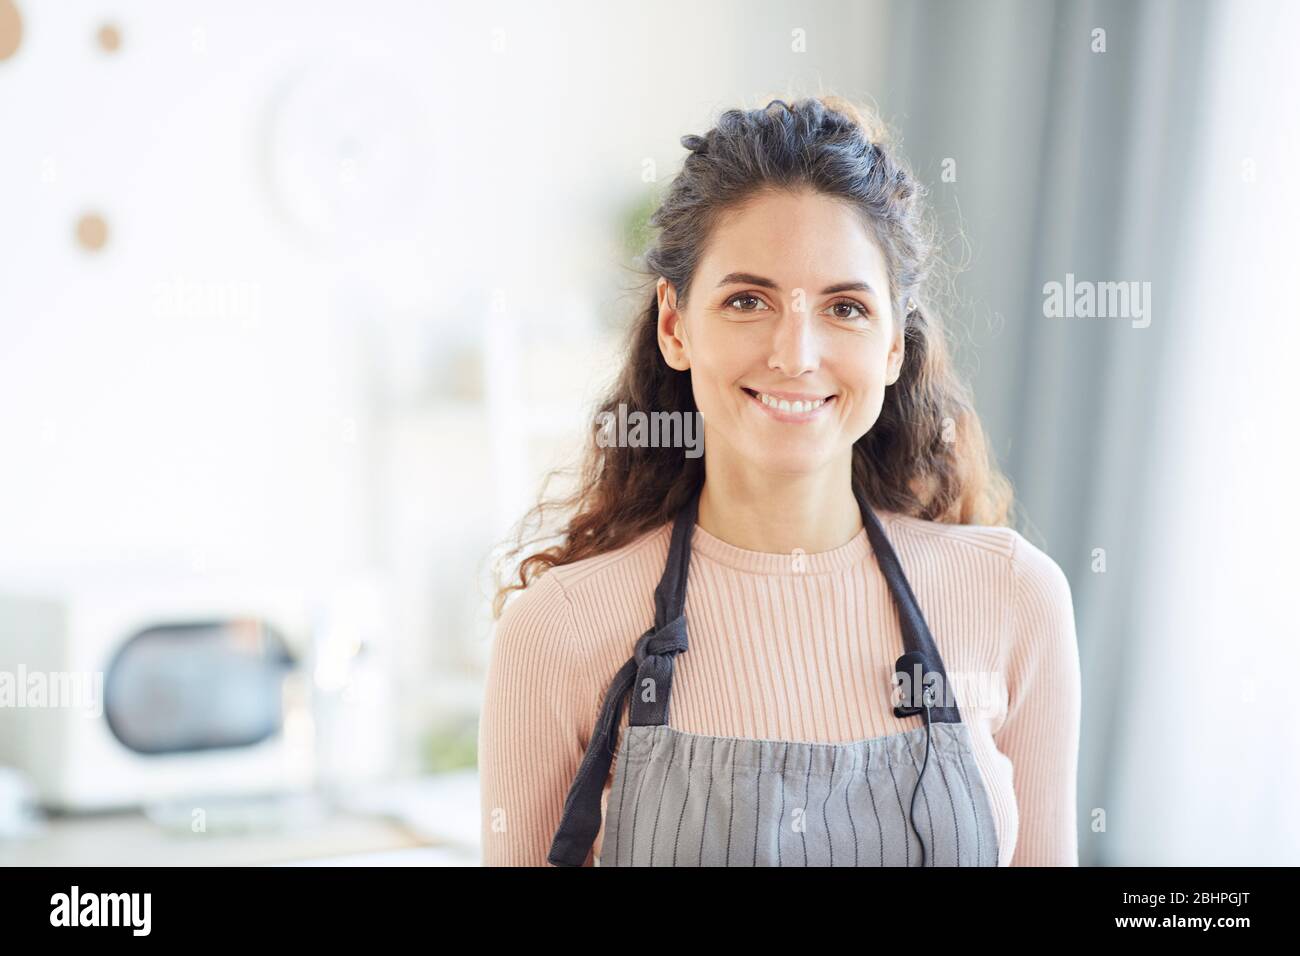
x=284 y=360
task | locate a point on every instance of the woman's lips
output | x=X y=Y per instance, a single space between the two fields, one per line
x=788 y=406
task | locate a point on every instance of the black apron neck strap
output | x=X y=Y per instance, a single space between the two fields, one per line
x=670 y=594
x=658 y=646
x=921 y=660
x=648 y=676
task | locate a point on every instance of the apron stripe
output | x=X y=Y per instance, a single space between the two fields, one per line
x=826 y=823
x=662 y=789
x=979 y=850
x=952 y=806
x=731 y=818
x=907 y=827
x=704 y=830
x=848 y=809
x=690 y=762
x=781 y=824
x=880 y=830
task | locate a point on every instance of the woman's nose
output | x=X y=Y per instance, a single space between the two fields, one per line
x=795 y=345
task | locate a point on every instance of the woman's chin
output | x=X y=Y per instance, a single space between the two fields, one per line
x=793 y=461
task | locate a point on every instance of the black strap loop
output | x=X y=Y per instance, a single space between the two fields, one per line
x=654 y=675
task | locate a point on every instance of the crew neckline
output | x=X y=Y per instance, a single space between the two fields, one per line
x=853 y=552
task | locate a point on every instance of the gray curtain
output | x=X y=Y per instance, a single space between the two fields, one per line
x=1067 y=161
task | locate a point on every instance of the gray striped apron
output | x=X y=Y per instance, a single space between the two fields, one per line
x=913 y=798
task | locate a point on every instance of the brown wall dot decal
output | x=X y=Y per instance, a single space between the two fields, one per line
x=110 y=37
x=11 y=29
x=92 y=231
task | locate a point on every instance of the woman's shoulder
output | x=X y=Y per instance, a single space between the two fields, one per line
x=1032 y=572
x=1035 y=606
x=997 y=539
x=645 y=553
x=561 y=596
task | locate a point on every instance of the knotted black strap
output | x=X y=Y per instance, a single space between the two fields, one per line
x=651 y=669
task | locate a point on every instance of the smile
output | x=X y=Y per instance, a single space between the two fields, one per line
x=786 y=407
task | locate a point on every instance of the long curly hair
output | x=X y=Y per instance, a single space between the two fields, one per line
x=926 y=456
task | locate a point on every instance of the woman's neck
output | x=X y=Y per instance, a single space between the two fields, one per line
x=780 y=513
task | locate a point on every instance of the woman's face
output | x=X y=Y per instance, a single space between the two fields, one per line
x=788 y=333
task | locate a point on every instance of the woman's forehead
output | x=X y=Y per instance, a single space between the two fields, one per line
x=797 y=240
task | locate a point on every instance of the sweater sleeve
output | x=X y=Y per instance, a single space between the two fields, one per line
x=534 y=726
x=1040 y=734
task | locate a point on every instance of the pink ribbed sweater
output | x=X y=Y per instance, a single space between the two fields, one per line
x=794 y=649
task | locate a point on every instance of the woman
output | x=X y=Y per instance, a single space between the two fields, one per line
x=826 y=708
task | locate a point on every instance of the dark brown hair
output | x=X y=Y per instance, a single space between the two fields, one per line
x=926 y=456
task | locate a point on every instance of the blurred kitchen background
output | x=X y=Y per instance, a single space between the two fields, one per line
x=299 y=302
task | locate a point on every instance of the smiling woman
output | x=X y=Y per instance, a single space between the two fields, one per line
x=840 y=453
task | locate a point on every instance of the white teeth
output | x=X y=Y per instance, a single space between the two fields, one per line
x=797 y=407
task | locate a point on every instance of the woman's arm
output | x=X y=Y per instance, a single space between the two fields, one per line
x=1040 y=733
x=534 y=726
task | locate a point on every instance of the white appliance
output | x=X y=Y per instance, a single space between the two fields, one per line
x=124 y=695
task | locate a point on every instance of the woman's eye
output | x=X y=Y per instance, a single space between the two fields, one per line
x=852 y=310
x=758 y=303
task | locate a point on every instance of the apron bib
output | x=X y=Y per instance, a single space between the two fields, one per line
x=913 y=798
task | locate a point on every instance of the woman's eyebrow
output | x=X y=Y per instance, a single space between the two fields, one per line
x=855 y=286
x=748 y=278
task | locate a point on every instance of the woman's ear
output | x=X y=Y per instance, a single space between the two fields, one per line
x=894 y=361
x=672 y=328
